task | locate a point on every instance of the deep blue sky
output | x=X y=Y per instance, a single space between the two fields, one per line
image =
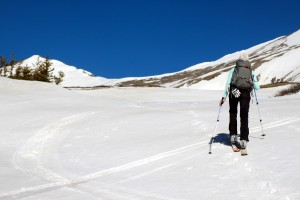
x=122 y=38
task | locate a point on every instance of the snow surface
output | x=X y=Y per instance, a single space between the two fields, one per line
x=286 y=64
x=294 y=38
x=141 y=144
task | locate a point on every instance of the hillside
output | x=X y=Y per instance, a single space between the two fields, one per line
x=141 y=144
x=275 y=61
x=73 y=76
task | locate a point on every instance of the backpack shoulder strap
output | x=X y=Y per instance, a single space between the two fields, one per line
x=234 y=74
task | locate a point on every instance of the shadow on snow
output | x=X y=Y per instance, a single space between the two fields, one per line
x=222 y=138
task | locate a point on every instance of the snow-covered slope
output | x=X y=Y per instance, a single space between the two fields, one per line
x=141 y=144
x=274 y=61
x=73 y=77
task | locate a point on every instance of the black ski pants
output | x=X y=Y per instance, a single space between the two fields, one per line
x=244 y=101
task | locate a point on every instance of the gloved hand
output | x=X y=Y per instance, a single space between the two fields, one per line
x=222 y=101
x=236 y=93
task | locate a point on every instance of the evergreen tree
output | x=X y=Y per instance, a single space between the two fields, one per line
x=27 y=73
x=59 y=79
x=18 y=74
x=43 y=71
x=3 y=62
x=12 y=61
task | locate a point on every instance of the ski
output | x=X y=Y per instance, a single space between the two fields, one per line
x=235 y=148
x=244 y=152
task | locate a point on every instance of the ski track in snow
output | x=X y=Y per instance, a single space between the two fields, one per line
x=122 y=192
x=28 y=159
x=71 y=183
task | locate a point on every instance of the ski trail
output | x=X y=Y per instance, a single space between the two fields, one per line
x=275 y=124
x=60 y=182
x=103 y=192
x=154 y=170
x=140 y=162
x=121 y=193
x=116 y=189
x=28 y=158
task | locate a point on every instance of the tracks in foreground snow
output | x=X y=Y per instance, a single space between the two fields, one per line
x=28 y=158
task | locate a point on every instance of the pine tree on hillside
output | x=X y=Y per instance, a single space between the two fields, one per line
x=18 y=73
x=40 y=71
x=3 y=62
x=5 y=71
x=26 y=73
x=59 y=79
x=11 y=71
x=3 y=65
x=12 y=61
x=7 y=67
x=43 y=71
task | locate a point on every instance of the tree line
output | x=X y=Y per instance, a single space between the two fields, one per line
x=42 y=70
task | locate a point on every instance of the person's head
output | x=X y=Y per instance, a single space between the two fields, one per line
x=244 y=56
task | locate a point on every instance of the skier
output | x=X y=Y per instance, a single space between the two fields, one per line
x=240 y=83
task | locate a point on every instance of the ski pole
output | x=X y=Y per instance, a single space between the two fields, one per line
x=213 y=137
x=263 y=134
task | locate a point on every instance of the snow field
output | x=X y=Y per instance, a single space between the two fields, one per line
x=141 y=143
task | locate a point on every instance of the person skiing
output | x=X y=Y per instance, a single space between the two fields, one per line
x=240 y=83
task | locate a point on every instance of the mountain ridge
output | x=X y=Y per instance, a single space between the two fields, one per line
x=213 y=75
x=274 y=61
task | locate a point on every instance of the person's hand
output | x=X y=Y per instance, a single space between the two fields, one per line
x=222 y=101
